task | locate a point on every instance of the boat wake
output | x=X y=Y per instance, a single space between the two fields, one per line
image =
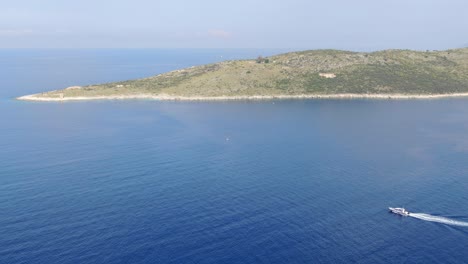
x=438 y=219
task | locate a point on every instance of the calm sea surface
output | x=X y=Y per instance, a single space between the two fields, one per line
x=222 y=182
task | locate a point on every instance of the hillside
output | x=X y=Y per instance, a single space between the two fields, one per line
x=315 y=72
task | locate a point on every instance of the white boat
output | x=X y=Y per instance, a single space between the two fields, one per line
x=399 y=211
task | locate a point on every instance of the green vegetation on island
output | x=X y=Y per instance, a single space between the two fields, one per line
x=315 y=72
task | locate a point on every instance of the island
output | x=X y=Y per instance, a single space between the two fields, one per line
x=305 y=74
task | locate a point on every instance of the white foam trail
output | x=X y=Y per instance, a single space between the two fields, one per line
x=438 y=219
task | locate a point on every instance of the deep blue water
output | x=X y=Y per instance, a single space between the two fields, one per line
x=221 y=182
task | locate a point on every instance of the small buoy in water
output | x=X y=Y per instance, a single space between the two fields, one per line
x=227 y=139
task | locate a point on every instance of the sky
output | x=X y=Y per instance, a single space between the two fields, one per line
x=361 y=25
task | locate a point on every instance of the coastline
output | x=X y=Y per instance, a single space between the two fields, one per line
x=165 y=97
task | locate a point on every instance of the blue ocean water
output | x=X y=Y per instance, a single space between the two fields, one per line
x=305 y=181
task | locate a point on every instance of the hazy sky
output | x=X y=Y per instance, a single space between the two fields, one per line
x=295 y=24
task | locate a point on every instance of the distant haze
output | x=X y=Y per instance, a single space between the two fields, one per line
x=293 y=24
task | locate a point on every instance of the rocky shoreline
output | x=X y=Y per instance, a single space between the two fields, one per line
x=165 y=97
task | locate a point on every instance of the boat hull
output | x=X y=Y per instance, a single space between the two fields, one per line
x=399 y=211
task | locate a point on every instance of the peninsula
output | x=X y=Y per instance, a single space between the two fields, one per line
x=306 y=74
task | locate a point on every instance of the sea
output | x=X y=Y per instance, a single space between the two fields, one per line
x=277 y=181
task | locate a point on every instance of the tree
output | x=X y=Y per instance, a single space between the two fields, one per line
x=260 y=59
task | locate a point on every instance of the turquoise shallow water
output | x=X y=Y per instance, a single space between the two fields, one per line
x=222 y=182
